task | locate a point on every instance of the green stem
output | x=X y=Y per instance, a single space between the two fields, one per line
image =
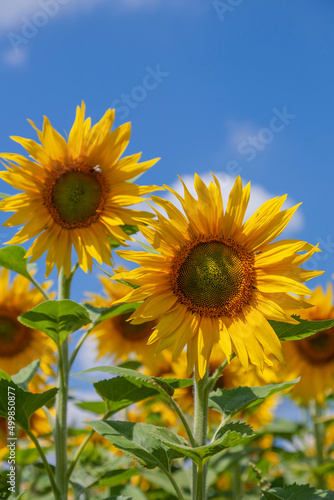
x=236 y=482
x=183 y=419
x=47 y=467
x=79 y=344
x=174 y=483
x=83 y=446
x=62 y=397
x=200 y=433
x=40 y=288
x=213 y=379
x=319 y=439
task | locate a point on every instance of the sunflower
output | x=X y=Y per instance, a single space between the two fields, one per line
x=74 y=192
x=312 y=358
x=214 y=280
x=20 y=345
x=116 y=337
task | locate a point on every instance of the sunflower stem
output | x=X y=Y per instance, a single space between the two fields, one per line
x=319 y=439
x=213 y=379
x=183 y=419
x=83 y=446
x=201 y=394
x=39 y=288
x=62 y=396
x=79 y=344
x=47 y=467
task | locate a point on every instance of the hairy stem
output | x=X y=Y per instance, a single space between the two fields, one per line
x=319 y=440
x=200 y=434
x=61 y=401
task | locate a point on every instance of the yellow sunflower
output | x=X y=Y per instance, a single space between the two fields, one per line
x=74 y=192
x=20 y=345
x=312 y=358
x=215 y=280
x=116 y=337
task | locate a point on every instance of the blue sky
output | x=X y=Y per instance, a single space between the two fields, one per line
x=225 y=86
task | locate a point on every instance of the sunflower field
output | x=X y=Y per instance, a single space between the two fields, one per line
x=209 y=337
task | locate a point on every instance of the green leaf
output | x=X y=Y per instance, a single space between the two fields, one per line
x=116 y=477
x=4 y=492
x=137 y=440
x=13 y=258
x=158 y=384
x=99 y=314
x=4 y=375
x=128 y=230
x=232 y=434
x=297 y=492
x=56 y=318
x=3 y=195
x=23 y=377
x=132 y=364
x=148 y=248
x=118 y=497
x=27 y=456
x=120 y=392
x=231 y=401
x=98 y=407
x=305 y=328
x=26 y=403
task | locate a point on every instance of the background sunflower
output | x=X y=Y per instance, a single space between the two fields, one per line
x=20 y=345
x=312 y=358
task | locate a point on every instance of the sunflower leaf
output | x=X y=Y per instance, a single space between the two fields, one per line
x=4 y=375
x=128 y=229
x=136 y=440
x=97 y=407
x=13 y=258
x=56 y=318
x=99 y=314
x=160 y=385
x=296 y=492
x=26 y=403
x=3 y=195
x=231 y=401
x=232 y=434
x=23 y=377
x=305 y=328
x=121 y=392
x=149 y=248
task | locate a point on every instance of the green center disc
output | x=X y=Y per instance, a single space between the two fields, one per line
x=211 y=275
x=8 y=330
x=76 y=196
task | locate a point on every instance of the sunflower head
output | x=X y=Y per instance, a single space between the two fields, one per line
x=312 y=358
x=20 y=345
x=215 y=280
x=116 y=336
x=75 y=192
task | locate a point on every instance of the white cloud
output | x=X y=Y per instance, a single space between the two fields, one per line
x=15 y=13
x=258 y=196
x=237 y=132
